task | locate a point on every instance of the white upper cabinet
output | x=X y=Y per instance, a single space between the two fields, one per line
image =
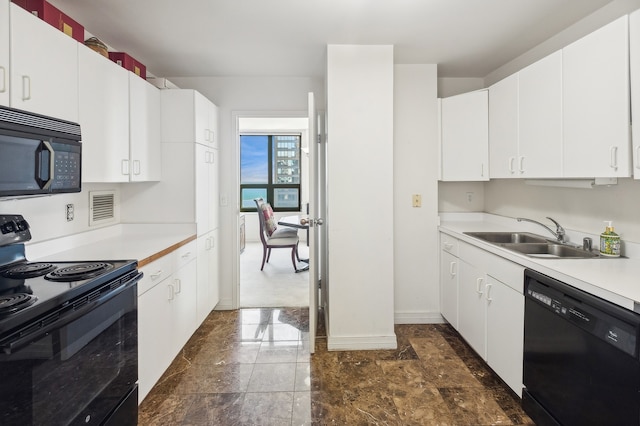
x=525 y=122
x=503 y=128
x=104 y=118
x=634 y=49
x=44 y=67
x=540 y=118
x=465 y=137
x=4 y=52
x=187 y=116
x=595 y=82
x=120 y=120
x=144 y=131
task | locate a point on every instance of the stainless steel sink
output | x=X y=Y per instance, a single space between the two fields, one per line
x=551 y=250
x=508 y=237
x=533 y=245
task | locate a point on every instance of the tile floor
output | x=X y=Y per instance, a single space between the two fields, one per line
x=253 y=367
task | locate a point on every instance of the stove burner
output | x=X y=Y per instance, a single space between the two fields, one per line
x=28 y=270
x=81 y=271
x=13 y=303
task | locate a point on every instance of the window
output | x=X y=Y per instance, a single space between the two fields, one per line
x=270 y=168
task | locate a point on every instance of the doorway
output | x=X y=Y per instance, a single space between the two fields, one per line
x=277 y=285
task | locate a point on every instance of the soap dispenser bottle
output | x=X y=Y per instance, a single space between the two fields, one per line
x=609 y=241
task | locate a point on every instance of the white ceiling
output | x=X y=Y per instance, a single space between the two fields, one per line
x=466 y=38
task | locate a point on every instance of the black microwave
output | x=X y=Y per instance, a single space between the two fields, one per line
x=39 y=155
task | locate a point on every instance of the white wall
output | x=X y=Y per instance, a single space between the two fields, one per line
x=360 y=196
x=599 y=18
x=415 y=171
x=576 y=209
x=461 y=196
x=47 y=215
x=455 y=86
x=275 y=96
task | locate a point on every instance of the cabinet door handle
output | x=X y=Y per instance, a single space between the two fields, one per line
x=479 y=286
x=482 y=170
x=213 y=136
x=26 y=87
x=4 y=80
x=136 y=167
x=521 y=164
x=452 y=269
x=125 y=167
x=448 y=246
x=614 y=157
x=178 y=284
x=156 y=274
x=170 y=293
x=488 y=287
x=638 y=157
x=186 y=255
x=511 y=161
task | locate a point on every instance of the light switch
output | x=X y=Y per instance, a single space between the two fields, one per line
x=417 y=200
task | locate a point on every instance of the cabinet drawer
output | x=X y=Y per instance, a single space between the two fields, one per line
x=154 y=273
x=449 y=244
x=184 y=255
x=507 y=272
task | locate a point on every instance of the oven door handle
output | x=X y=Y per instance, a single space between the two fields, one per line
x=18 y=340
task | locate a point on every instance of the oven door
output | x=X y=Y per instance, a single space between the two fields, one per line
x=78 y=370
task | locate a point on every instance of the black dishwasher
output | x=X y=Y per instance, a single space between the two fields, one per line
x=581 y=364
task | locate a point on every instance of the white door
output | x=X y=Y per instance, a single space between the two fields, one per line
x=315 y=192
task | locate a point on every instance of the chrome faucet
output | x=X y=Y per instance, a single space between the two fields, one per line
x=559 y=233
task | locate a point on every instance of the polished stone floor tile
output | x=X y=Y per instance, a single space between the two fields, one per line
x=253 y=367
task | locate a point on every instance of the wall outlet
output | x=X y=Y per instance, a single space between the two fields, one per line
x=416 y=200
x=70 y=212
x=224 y=200
x=469 y=197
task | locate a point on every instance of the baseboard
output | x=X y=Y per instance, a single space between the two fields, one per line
x=224 y=305
x=418 y=317
x=361 y=343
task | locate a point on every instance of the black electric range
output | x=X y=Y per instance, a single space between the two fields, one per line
x=68 y=337
x=31 y=289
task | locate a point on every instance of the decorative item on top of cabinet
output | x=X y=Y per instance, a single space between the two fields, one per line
x=44 y=67
x=634 y=66
x=4 y=52
x=595 y=96
x=464 y=135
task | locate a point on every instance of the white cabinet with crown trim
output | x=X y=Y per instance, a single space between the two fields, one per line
x=595 y=94
x=4 y=53
x=44 y=67
x=464 y=134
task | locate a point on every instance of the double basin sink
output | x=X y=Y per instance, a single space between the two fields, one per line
x=533 y=245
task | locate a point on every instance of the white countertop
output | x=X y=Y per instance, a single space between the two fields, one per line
x=614 y=279
x=141 y=242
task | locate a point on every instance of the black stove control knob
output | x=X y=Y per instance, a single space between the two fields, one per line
x=22 y=225
x=9 y=227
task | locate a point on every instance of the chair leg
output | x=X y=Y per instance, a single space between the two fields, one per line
x=297 y=255
x=268 y=254
x=264 y=256
x=294 y=254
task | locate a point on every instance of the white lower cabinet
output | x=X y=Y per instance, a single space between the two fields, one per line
x=472 y=306
x=505 y=332
x=208 y=281
x=449 y=266
x=490 y=306
x=167 y=300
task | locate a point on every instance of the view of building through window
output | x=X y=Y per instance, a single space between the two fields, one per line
x=270 y=169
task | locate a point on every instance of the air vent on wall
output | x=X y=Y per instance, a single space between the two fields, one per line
x=101 y=207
